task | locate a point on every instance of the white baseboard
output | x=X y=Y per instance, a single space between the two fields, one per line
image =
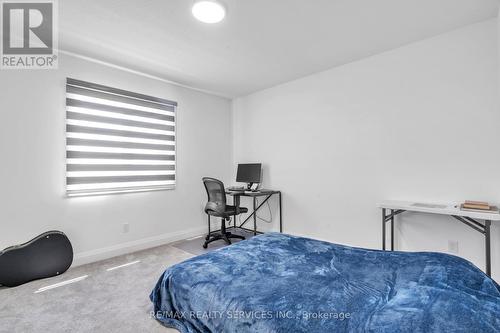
x=87 y=257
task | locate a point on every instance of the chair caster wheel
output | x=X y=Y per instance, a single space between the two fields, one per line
x=205 y=245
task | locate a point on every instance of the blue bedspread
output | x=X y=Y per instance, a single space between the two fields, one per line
x=281 y=283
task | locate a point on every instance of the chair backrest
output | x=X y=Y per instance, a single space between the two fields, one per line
x=216 y=195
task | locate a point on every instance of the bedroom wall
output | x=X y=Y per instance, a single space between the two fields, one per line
x=32 y=177
x=416 y=123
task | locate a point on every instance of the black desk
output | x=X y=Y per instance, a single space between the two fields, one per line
x=254 y=195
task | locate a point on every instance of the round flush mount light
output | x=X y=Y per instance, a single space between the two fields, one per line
x=209 y=11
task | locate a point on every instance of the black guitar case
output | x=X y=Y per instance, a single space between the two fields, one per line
x=47 y=255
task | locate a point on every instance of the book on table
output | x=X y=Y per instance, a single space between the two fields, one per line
x=479 y=208
x=476 y=205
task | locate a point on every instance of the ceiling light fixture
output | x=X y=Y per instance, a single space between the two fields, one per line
x=209 y=11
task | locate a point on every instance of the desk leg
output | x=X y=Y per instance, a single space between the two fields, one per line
x=383 y=229
x=281 y=215
x=236 y=203
x=392 y=230
x=487 y=227
x=254 y=216
x=209 y=232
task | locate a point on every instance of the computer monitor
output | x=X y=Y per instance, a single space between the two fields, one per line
x=249 y=173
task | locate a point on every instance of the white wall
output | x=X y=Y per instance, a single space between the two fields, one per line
x=32 y=177
x=416 y=123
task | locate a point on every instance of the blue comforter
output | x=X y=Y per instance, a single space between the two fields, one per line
x=281 y=283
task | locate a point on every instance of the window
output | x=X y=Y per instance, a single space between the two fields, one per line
x=117 y=141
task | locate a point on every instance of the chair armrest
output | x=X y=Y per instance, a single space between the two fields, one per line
x=216 y=207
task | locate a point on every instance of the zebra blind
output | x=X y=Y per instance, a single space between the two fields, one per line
x=117 y=141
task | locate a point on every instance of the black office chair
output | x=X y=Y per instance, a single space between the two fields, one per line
x=216 y=206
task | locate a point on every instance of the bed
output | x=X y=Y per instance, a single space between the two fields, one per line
x=282 y=283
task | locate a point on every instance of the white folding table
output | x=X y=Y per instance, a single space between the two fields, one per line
x=472 y=219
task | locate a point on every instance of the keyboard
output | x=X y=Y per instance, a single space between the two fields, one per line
x=236 y=188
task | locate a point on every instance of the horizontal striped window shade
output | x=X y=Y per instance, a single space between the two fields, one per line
x=117 y=140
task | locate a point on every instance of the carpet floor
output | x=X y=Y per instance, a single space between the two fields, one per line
x=115 y=300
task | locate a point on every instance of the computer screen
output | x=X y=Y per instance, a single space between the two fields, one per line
x=249 y=173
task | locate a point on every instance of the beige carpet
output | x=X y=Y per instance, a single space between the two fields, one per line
x=106 y=301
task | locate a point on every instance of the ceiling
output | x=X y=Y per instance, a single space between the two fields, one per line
x=261 y=43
